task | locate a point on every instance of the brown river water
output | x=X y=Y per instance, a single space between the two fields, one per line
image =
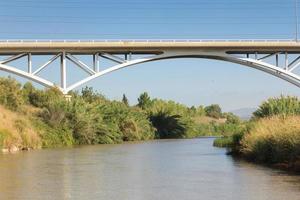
x=165 y=169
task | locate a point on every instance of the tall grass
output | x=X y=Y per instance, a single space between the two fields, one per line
x=273 y=140
x=278 y=106
x=16 y=130
x=223 y=142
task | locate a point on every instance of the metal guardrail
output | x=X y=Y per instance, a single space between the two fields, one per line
x=146 y=40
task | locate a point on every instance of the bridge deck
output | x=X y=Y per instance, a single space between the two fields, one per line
x=148 y=46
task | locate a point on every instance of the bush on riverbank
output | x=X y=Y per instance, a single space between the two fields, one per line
x=175 y=120
x=170 y=119
x=232 y=140
x=168 y=126
x=272 y=136
x=223 y=142
x=278 y=106
x=273 y=140
x=92 y=119
x=10 y=94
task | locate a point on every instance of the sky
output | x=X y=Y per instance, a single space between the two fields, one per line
x=188 y=81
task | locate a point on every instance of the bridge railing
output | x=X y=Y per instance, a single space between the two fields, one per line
x=143 y=40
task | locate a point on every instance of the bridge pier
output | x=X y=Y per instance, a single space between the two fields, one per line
x=63 y=72
x=68 y=97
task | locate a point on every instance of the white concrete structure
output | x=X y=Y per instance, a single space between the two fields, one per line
x=251 y=53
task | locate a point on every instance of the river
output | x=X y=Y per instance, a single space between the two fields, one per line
x=165 y=169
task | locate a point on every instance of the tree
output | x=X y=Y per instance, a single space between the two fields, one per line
x=214 y=111
x=232 y=118
x=200 y=111
x=27 y=90
x=90 y=96
x=87 y=94
x=168 y=126
x=144 y=100
x=10 y=93
x=125 y=100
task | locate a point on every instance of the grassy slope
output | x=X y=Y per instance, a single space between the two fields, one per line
x=16 y=130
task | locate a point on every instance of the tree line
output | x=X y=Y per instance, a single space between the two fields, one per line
x=91 y=118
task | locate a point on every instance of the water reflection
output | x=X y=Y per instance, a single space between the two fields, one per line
x=168 y=169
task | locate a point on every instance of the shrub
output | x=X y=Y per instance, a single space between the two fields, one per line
x=54 y=113
x=54 y=137
x=41 y=98
x=231 y=118
x=233 y=136
x=144 y=101
x=91 y=96
x=125 y=100
x=128 y=123
x=223 y=142
x=27 y=90
x=10 y=93
x=214 y=111
x=82 y=120
x=168 y=126
x=278 y=106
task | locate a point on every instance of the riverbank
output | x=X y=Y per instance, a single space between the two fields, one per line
x=17 y=132
x=33 y=118
x=271 y=137
x=273 y=141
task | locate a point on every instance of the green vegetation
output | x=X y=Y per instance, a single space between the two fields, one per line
x=222 y=142
x=125 y=100
x=144 y=101
x=272 y=136
x=273 y=140
x=10 y=91
x=167 y=125
x=278 y=106
x=35 y=118
x=214 y=111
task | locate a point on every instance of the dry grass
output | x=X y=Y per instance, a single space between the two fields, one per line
x=273 y=140
x=17 y=131
x=207 y=120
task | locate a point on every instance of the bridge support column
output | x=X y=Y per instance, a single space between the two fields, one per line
x=286 y=61
x=29 y=64
x=63 y=72
x=96 y=62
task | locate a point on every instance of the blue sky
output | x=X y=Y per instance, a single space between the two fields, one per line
x=189 y=81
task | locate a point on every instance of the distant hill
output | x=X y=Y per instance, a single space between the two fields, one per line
x=244 y=113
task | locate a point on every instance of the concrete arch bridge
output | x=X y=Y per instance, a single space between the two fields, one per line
x=280 y=58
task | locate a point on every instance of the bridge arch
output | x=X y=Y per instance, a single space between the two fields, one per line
x=248 y=57
x=281 y=73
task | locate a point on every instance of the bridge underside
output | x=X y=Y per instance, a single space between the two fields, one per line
x=278 y=60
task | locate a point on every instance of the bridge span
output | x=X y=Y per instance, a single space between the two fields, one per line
x=280 y=58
